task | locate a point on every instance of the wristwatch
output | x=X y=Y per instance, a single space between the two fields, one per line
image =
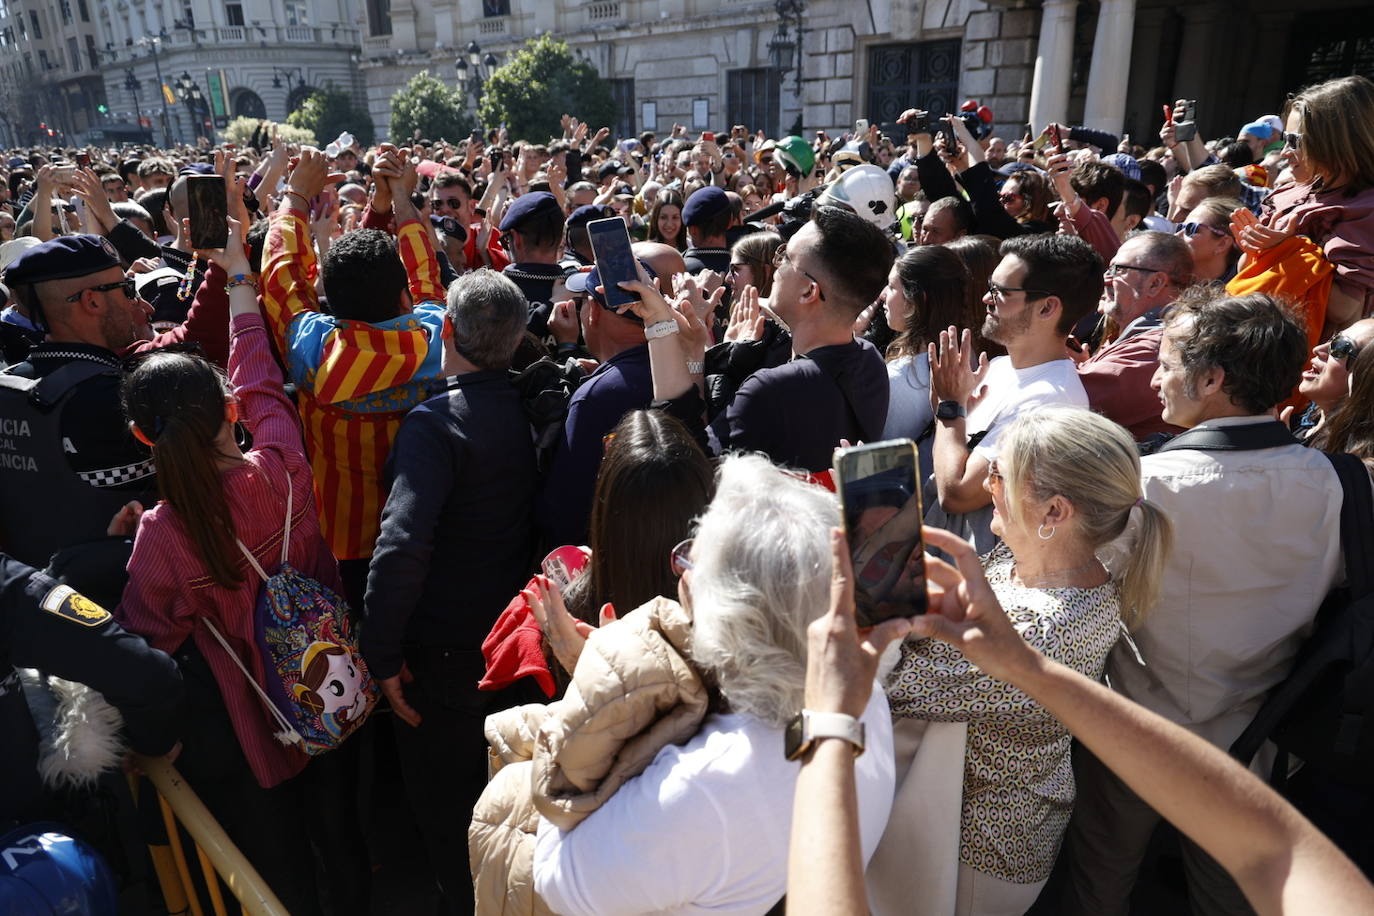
x=949 y=410
x=807 y=727
x=661 y=329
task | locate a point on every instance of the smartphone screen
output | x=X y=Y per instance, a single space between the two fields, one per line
x=880 y=499
x=1055 y=138
x=860 y=127
x=209 y=210
x=614 y=260
x=83 y=160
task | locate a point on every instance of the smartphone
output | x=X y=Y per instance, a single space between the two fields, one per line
x=1042 y=141
x=1056 y=138
x=944 y=127
x=79 y=205
x=860 y=128
x=209 y=211
x=495 y=158
x=921 y=124
x=1030 y=130
x=615 y=261
x=83 y=160
x=708 y=137
x=880 y=505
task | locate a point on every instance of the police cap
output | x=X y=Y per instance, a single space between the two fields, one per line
x=704 y=205
x=588 y=212
x=63 y=257
x=528 y=206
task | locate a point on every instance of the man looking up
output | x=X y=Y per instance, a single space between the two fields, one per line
x=1147 y=273
x=1256 y=549
x=1043 y=284
x=836 y=386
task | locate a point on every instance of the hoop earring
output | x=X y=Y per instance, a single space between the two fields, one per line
x=1041 y=532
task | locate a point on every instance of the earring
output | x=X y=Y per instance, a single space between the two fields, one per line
x=1041 y=532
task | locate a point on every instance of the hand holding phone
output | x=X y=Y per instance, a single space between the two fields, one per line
x=208 y=203
x=615 y=261
x=880 y=499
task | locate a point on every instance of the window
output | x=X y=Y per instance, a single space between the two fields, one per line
x=495 y=7
x=74 y=54
x=233 y=14
x=623 y=94
x=296 y=13
x=43 y=58
x=379 y=17
x=752 y=98
x=85 y=11
x=37 y=29
x=92 y=55
x=66 y=8
x=924 y=74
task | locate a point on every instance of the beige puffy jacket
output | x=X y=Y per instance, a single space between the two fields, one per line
x=633 y=693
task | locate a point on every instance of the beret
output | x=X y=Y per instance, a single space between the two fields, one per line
x=613 y=167
x=197 y=168
x=588 y=212
x=63 y=257
x=17 y=162
x=704 y=205
x=528 y=206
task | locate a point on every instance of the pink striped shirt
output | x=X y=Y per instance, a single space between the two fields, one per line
x=170 y=588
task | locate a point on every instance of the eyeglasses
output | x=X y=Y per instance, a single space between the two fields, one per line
x=780 y=258
x=452 y=203
x=1009 y=196
x=1114 y=270
x=1342 y=348
x=679 y=558
x=1292 y=140
x=1191 y=229
x=130 y=289
x=999 y=292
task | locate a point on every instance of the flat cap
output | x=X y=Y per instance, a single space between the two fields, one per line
x=527 y=207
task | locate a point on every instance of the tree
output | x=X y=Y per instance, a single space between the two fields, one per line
x=426 y=105
x=539 y=84
x=330 y=111
x=240 y=131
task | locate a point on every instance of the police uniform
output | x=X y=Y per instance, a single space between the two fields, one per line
x=536 y=281
x=704 y=205
x=67 y=459
x=51 y=627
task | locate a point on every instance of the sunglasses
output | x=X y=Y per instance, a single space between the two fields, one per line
x=452 y=203
x=1008 y=196
x=679 y=558
x=1342 y=348
x=130 y=289
x=1292 y=140
x=1191 y=229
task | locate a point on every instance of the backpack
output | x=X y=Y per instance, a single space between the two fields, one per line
x=1320 y=713
x=303 y=636
x=546 y=387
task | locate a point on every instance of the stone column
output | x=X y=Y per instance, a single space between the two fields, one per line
x=1144 y=97
x=1192 y=77
x=1105 y=106
x=1053 y=64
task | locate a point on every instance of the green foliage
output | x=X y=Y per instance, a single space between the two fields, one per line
x=426 y=105
x=329 y=112
x=240 y=131
x=539 y=84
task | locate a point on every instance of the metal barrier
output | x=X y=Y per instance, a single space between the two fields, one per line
x=218 y=858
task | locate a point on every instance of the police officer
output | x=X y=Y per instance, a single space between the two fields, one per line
x=707 y=216
x=579 y=252
x=52 y=627
x=68 y=461
x=532 y=231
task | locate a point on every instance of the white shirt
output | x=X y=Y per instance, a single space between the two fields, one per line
x=705 y=828
x=1008 y=393
x=1257 y=546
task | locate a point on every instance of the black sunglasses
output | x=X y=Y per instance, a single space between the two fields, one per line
x=1342 y=348
x=452 y=203
x=1292 y=140
x=130 y=289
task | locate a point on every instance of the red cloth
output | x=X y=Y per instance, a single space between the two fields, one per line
x=1117 y=380
x=515 y=648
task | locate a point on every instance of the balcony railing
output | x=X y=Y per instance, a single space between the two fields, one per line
x=494 y=25
x=608 y=11
x=300 y=33
x=232 y=33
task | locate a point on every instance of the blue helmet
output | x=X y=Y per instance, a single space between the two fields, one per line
x=45 y=872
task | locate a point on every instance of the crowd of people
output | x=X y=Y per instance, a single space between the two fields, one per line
x=395 y=454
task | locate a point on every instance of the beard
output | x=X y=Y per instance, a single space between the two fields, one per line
x=122 y=330
x=1004 y=330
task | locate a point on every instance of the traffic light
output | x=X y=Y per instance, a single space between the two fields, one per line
x=102 y=108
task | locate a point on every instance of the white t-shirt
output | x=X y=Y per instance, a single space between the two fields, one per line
x=1009 y=393
x=1012 y=392
x=705 y=828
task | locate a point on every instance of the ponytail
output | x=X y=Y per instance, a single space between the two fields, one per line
x=1139 y=581
x=176 y=400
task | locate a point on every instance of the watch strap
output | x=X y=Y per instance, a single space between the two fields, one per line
x=661 y=329
x=818 y=725
x=949 y=410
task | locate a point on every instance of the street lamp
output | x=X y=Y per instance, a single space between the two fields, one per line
x=289 y=73
x=191 y=95
x=152 y=43
x=131 y=86
x=473 y=71
x=782 y=49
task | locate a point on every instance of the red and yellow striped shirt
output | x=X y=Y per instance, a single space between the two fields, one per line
x=356 y=380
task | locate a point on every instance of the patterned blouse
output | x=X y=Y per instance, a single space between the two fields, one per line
x=1018 y=780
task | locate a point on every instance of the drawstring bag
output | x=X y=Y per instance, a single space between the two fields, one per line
x=318 y=688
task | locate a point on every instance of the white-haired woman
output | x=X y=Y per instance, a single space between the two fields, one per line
x=1064 y=485
x=705 y=826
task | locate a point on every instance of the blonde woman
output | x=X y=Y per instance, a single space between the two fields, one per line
x=1064 y=485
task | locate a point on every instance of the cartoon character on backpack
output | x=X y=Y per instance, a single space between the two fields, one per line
x=333 y=686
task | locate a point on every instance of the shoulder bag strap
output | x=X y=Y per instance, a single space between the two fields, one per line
x=1357 y=522
x=1247 y=438
x=285 y=538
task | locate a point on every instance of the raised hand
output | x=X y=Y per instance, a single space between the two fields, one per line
x=746 y=317
x=954 y=373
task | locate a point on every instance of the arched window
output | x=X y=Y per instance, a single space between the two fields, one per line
x=247 y=104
